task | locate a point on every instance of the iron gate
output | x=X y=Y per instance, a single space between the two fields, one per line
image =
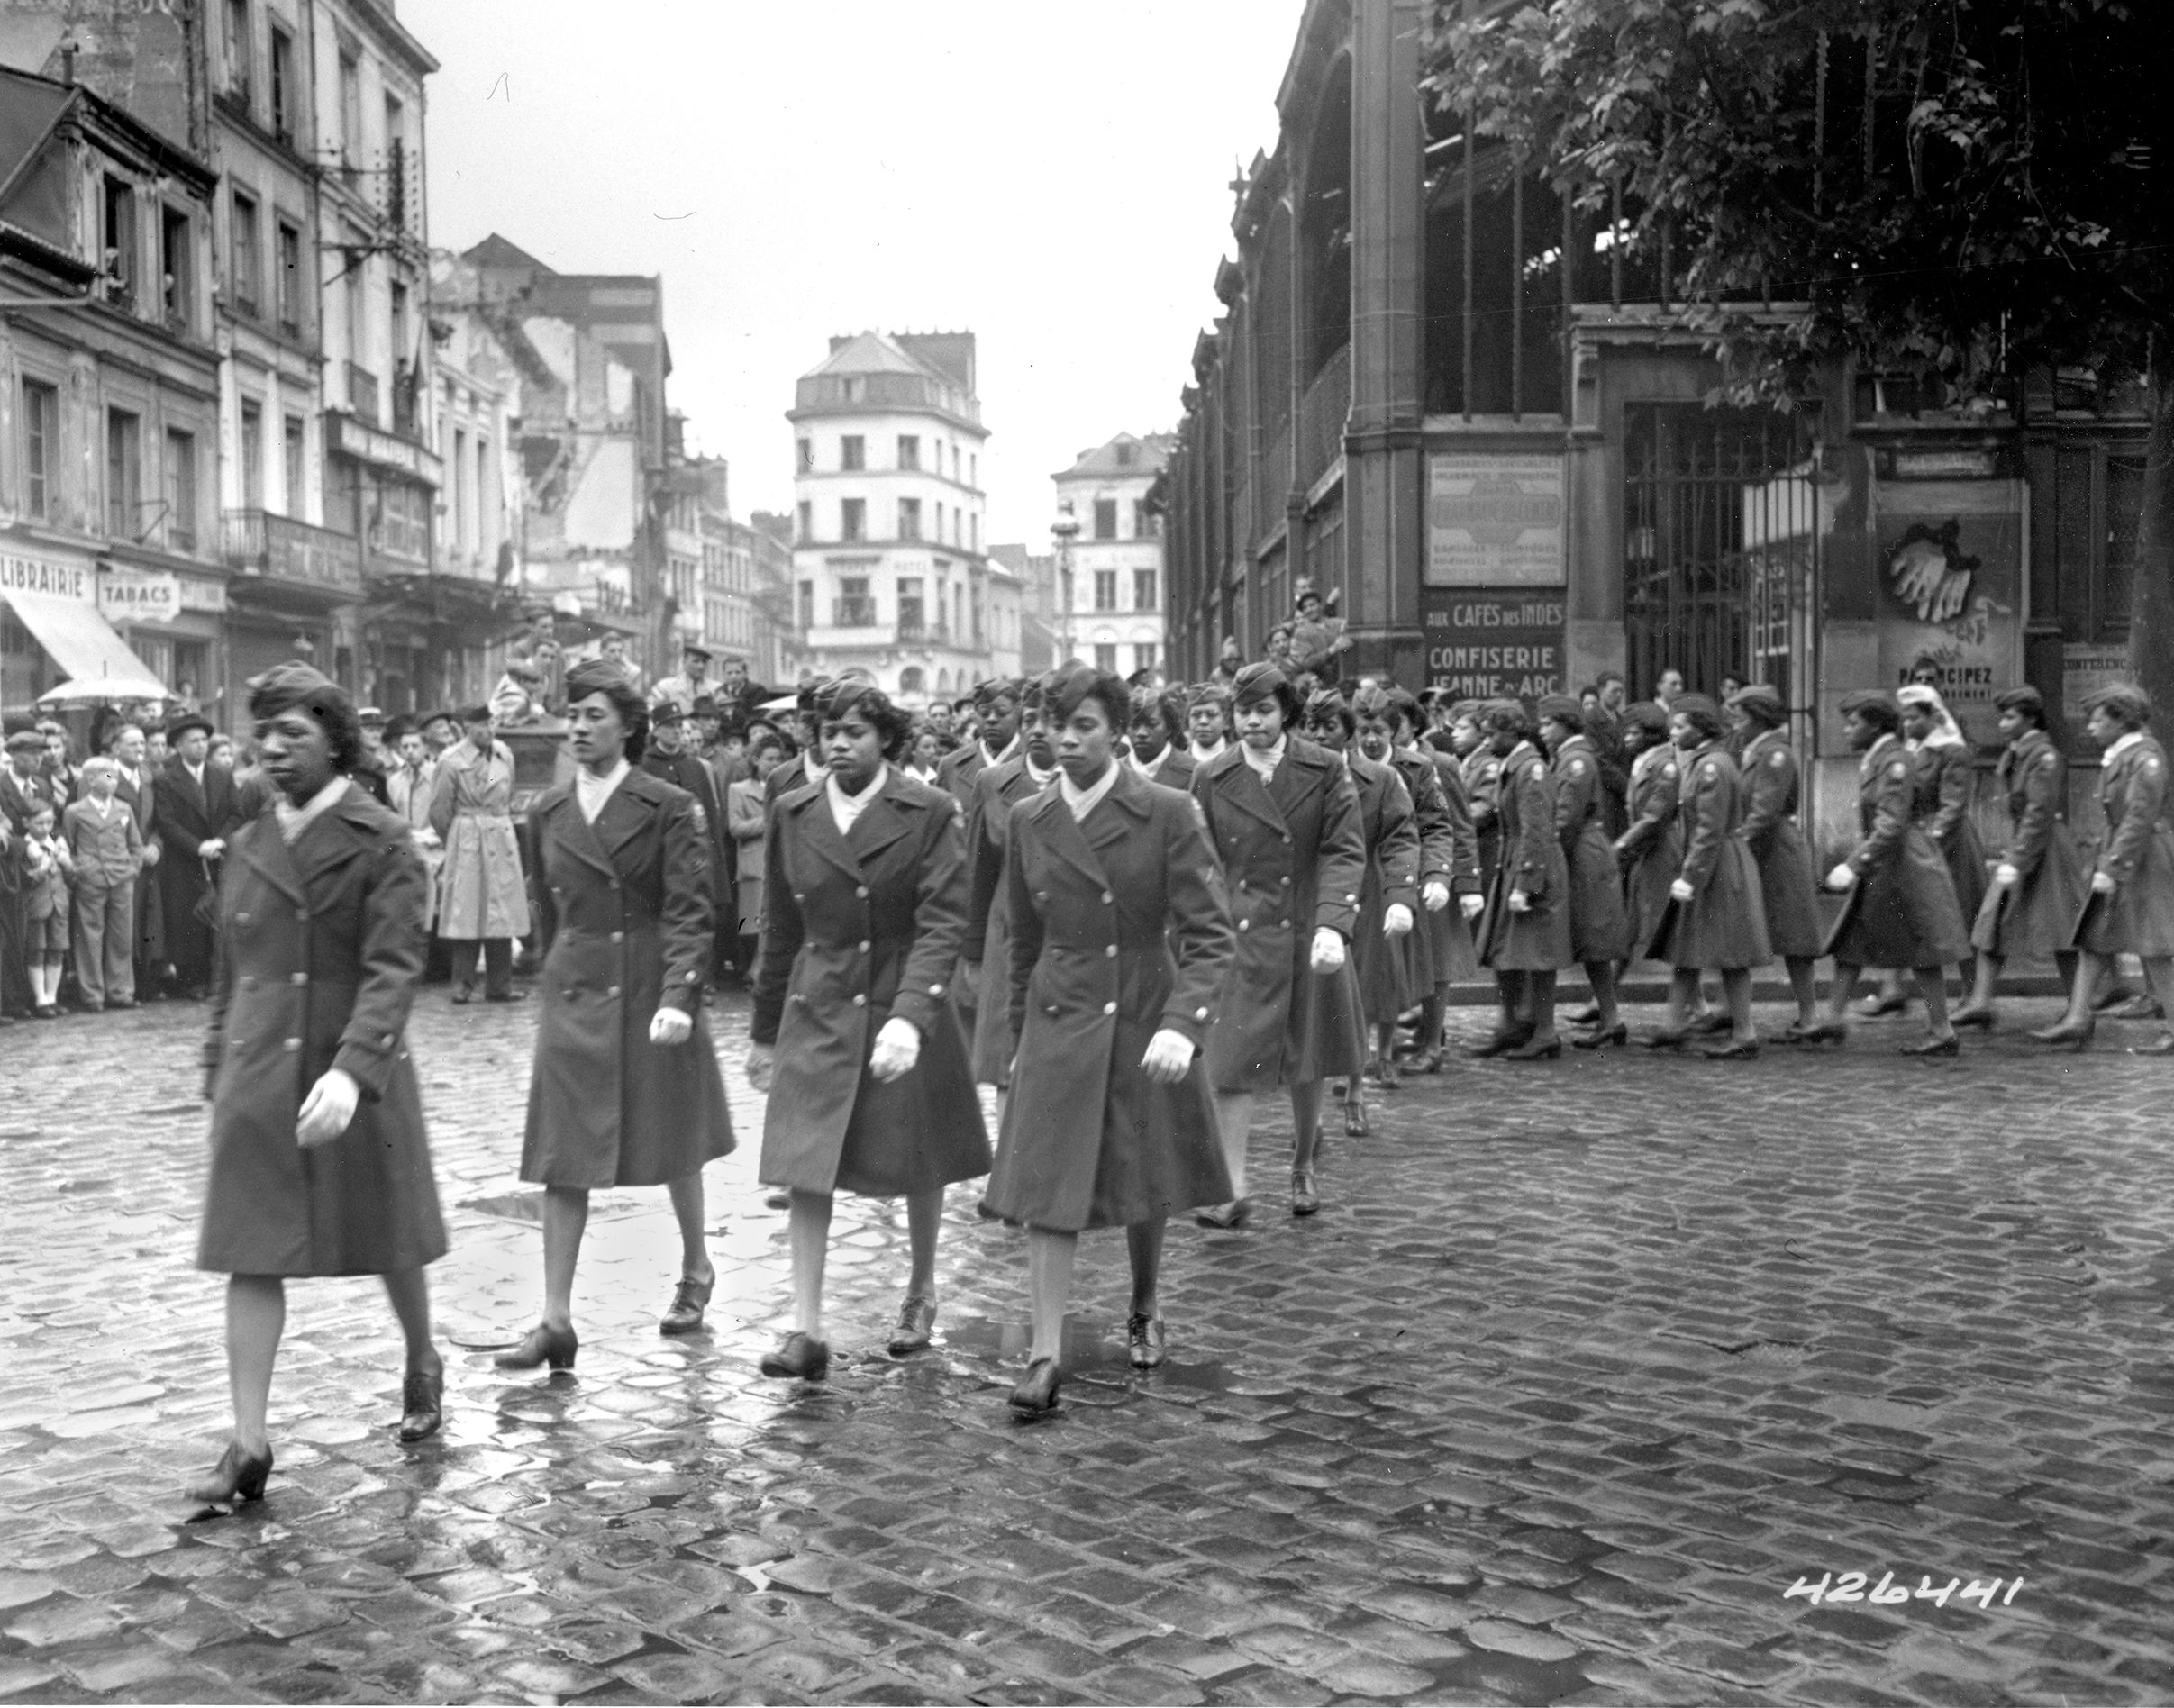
x=1721 y=551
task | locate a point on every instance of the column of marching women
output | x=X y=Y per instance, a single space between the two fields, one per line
x=1133 y=911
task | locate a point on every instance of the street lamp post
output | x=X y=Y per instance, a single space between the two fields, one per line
x=1064 y=530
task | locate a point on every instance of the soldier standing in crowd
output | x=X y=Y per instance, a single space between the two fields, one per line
x=1283 y=817
x=692 y=682
x=1650 y=849
x=666 y=756
x=1155 y=736
x=1526 y=940
x=1440 y=951
x=1599 y=935
x=1946 y=782
x=2038 y=886
x=1788 y=886
x=812 y=766
x=1482 y=772
x=1120 y=944
x=2130 y=908
x=195 y=812
x=1900 y=909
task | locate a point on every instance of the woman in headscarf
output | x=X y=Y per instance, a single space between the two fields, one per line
x=1283 y=817
x=1389 y=894
x=2038 y=885
x=1119 y=943
x=625 y=1090
x=1527 y=935
x=865 y=889
x=1715 y=920
x=2129 y=910
x=1788 y=886
x=319 y=1161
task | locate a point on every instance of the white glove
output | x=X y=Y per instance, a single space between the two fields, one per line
x=761 y=1059
x=1169 y=1054
x=1396 y=920
x=151 y=850
x=1520 y=902
x=211 y=848
x=326 y=1112
x=2102 y=883
x=1681 y=890
x=1328 y=949
x=2005 y=876
x=1435 y=896
x=1842 y=877
x=670 y=1026
x=1473 y=905
x=897 y=1049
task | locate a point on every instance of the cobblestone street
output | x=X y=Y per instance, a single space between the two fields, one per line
x=1580 y=1370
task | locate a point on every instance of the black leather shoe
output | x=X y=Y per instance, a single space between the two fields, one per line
x=236 y=1478
x=422 y=1402
x=505 y=996
x=1616 y=1037
x=917 y=1327
x=1970 y=1015
x=2113 y=997
x=1948 y=1046
x=1543 y=1047
x=1500 y=1044
x=1663 y=1039
x=463 y=994
x=1355 y=1125
x=1584 y=1016
x=1036 y=1394
x=1234 y=1214
x=1873 y=1007
x=684 y=1315
x=1143 y=1341
x=542 y=1345
x=1304 y=1200
x=2162 y=1045
x=1735 y=1050
x=2067 y=1031
x=1708 y=1025
x=1824 y=1032
x=802 y=1358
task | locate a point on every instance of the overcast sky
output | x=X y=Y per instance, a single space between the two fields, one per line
x=1054 y=177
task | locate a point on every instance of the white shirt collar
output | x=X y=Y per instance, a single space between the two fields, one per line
x=195 y=771
x=845 y=808
x=1152 y=768
x=295 y=819
x=2122 y=745
x=1084 y=801
x=813 y=768
x=1205 y=754
x=1264 y=764
x=1010 y=747
x=591 y=790
x=1035 y=774
x=104 y=805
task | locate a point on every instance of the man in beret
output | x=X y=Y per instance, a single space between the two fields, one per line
x=197 y=810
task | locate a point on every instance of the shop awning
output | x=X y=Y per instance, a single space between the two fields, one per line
x=82 y=642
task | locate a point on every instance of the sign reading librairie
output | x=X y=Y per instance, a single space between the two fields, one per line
x=1495 y=520
x=18 y=574
x=1498 y=643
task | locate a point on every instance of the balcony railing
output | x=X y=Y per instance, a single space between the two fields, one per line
x=852 y=614
x=911 y=633
x=362 y=393
x=261 y=542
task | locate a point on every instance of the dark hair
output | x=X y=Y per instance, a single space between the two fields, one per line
x=1266 y=682
x=119 y=728
x=1150 y=703
x=764 y=741
x=1699 y=712
x=892 y=723
x=1329 y=706
x=600 y=675
x=1506 y=714
x=1879 y=710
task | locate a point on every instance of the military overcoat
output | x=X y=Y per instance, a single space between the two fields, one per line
x=481 y=890
x=1385 y=988
x=320 y=945
x=1537 y=940
x=859 y=926
x=1440 y=948
x=1293 y=857
x=2037 y=917
x=1598 y=928
x=2138 y=854
x=1722 y=927
x=1119 y=930
x=1787 y=884
x=1482 y=774
x=1651 y=846
x=1947 y=780
x=997 y=790
x=622 y=909
x=1901 y=911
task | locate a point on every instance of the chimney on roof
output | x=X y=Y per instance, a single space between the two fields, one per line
x=68 y=61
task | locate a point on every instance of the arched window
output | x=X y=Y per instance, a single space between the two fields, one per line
x=910 y=680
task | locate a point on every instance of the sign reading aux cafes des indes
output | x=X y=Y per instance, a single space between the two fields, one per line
x=1494 y=644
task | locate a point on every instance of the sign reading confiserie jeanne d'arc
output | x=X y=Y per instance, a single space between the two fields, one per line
x=1495 y=520
x=1493 y=644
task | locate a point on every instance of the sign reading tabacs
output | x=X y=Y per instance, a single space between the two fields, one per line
x=1497 y=643
x=138 y=595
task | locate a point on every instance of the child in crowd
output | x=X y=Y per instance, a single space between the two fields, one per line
x=45 y=911
x=105 y=844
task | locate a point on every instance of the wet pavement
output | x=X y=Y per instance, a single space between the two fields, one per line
x=1583 y=1369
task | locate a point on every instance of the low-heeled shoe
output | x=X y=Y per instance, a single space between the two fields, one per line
x=1143 y=1341
x=422 y=1403
x=917 y=1327
x=1037 y=1391
x=237 y=1477
x=800 y=1356
x=542 y=1344
x=689 y=1299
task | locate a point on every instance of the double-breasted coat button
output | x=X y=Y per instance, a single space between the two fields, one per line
x=1200 y=1013
x=935 y=990
x=859 y=1001
x=864 y=946
x=298 y=978
x=1107 y=897
x=614 y=991
x=1286 y=841
x=303 y=913
x=1246 y=925
x=1111 y=951
x=1285 y=880
x=619 y=937
x=389 y=1041
x=861 y=890
x=1109 y=1008
x=290 y=1043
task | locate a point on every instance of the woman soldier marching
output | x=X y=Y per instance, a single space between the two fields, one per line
x=1283 y=818
x=2038 y=883
x=1599 y=940
x=1527 y=935
x=865 y=882
x=1716 y=921
x=1650 y=850
x=1482 y=771
x=1440 y=952
x=1119 y=944
x=625 y=1090
x=2129 y=910
x=319 y=1162
x=1947 y=780
x=1901 y=909
x=1787 y=886
x=996 y=790
x=1390 y=892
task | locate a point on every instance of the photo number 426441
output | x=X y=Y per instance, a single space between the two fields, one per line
x=1888 y=1592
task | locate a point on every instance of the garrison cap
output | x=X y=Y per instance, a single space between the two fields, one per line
x=1876 y=701
x=1649 y=714
x=1759 y=700
x=2024 y=698
x=1563 y=709
x=2124 y=700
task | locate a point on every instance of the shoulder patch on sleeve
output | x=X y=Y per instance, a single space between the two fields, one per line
x=1539 y=773
x=2150 y=768
x=1668 y=769
x=1577 y=767
x=1779 y=758
x=1708 y=771
x=1898 y=770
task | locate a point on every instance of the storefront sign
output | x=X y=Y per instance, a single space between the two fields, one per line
x=206 y=598
x=20 y=574
x=1495 y=520
x=1493 y=644
x=1951 y=592
x=138 y=595
x=2084 y=670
